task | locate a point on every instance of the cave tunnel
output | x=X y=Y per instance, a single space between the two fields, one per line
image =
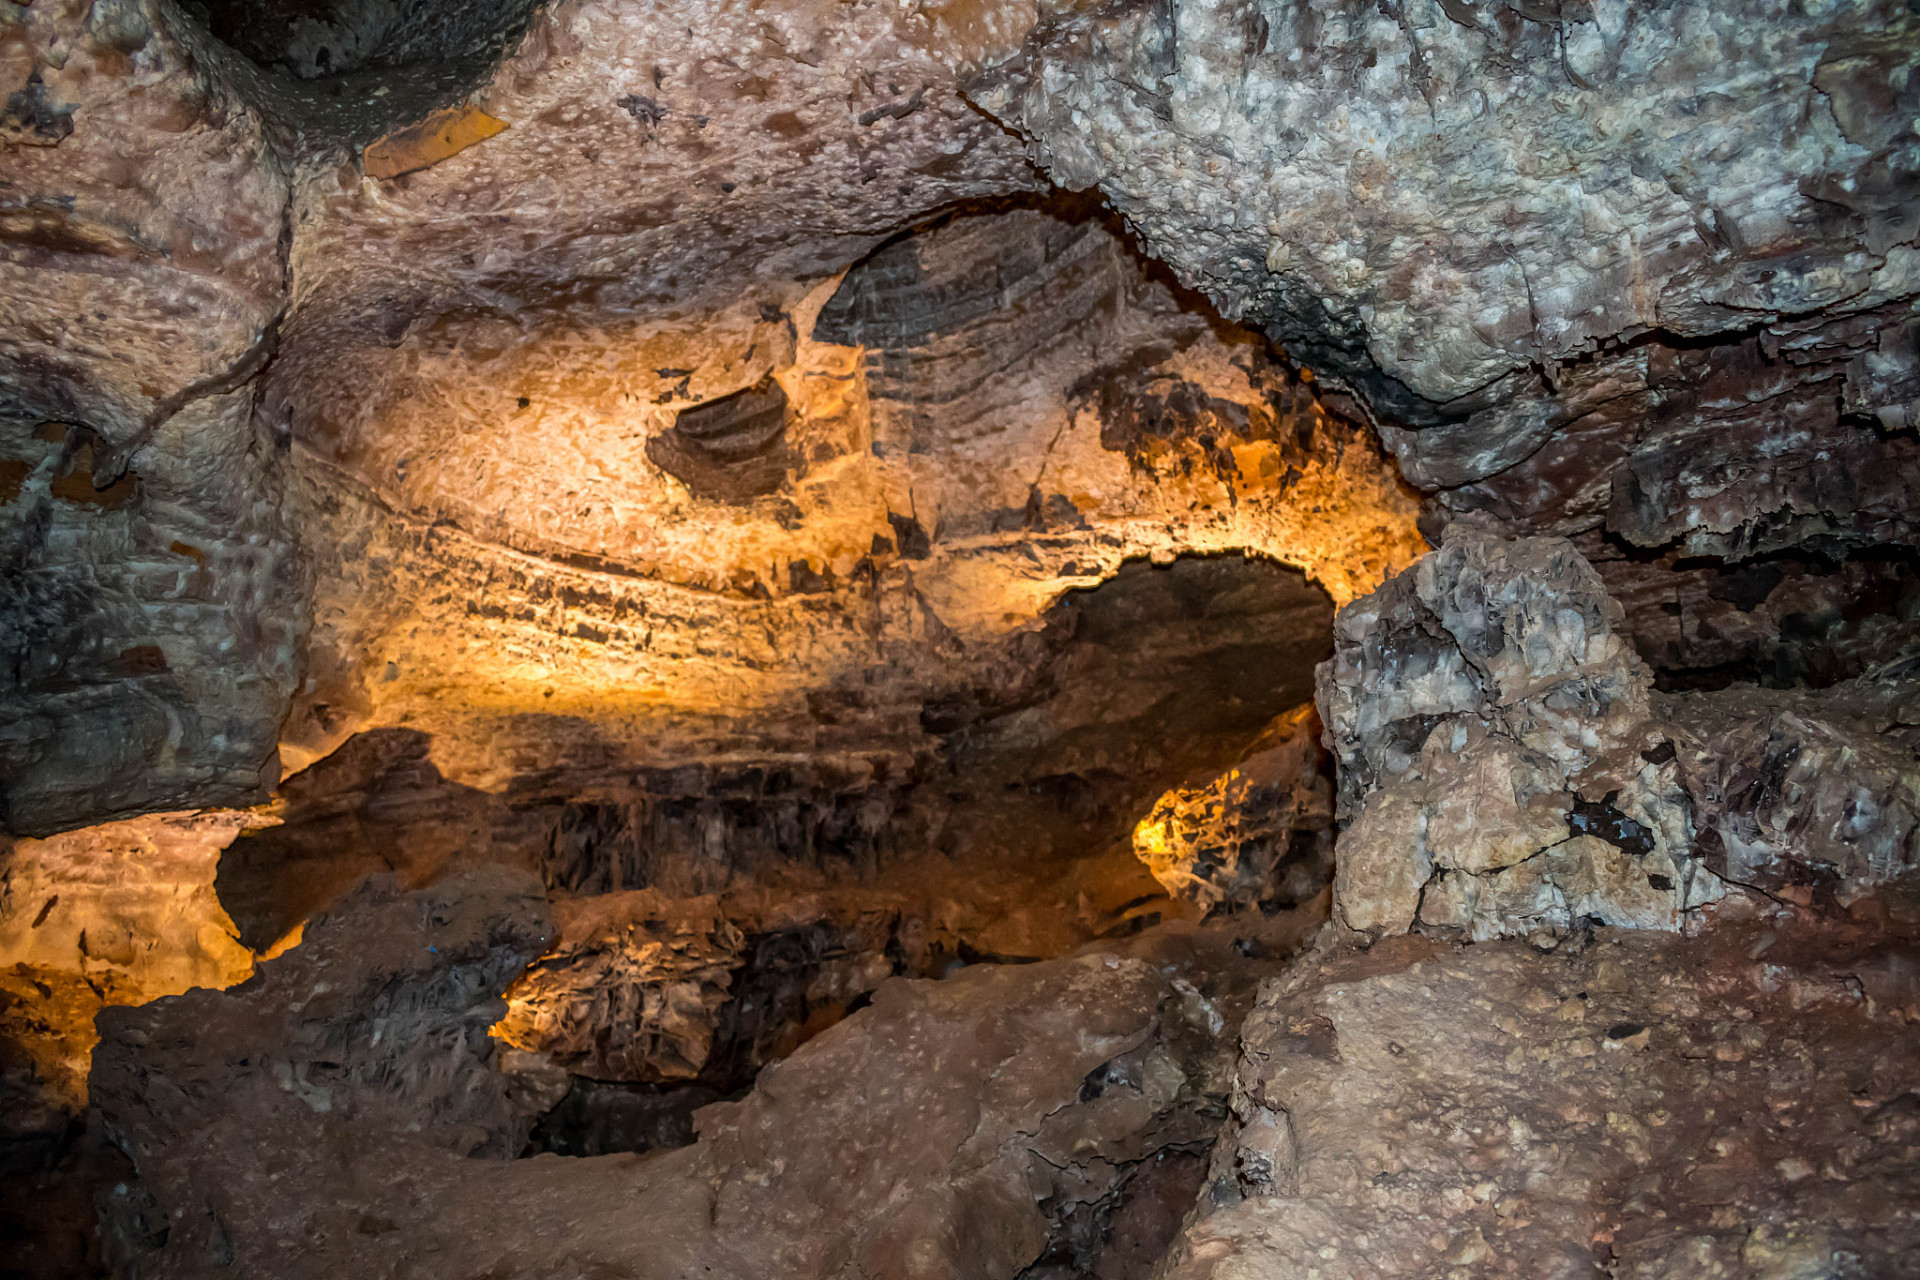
x=843 y=640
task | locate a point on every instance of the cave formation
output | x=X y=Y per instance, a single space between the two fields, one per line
x=1142 y=638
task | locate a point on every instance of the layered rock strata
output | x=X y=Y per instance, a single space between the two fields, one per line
x=1261 y=834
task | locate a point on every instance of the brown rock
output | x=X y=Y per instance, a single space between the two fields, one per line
x=1228 y=844
x=323 y=1125
x=1568 y=1116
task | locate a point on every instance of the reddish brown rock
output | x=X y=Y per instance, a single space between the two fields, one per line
x=341 y=1115
x=1640 y=1105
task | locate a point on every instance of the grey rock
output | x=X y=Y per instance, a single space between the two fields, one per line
x=1806 y=789
x=1500 y=763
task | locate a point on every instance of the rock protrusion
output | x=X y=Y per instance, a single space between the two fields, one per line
x=1501 y=769
x=1259 y=834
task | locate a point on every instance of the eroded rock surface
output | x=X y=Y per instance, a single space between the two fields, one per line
x=1739 y=1105
x=1260 y=834
x=283 y=1146
x=1349 y=177
x=1505 y=767
x=1501 y=770
x=152 y=611
x=1799 y=791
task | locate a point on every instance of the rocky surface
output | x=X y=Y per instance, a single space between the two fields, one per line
x=1505 y=767
x=719 y=504
x=276 y=1147
x=1501 y=768
x=152 y=612
x=1350 y=177
x=1261 y=834
x=1802 y=791
x=1640 y=1104
x=118 y=914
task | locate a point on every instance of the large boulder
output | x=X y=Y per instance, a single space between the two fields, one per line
x=1501 y=768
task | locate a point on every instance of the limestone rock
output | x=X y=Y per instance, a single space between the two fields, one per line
x=1500 y=764
x=1648 y=1105
x=152 y=611
x=318 y=1120
x=1802 y=789
x=379 y=1018
x=1259 y=833
x=1348 y=177
x=632 y=990
x=118 y=914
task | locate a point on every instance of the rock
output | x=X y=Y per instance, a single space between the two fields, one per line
x=1500 y=762
x=1799 y=789
x=631 y=991
x=152 y=612
x=1344 y=176
x=1779 y=621
x=1643 y=1105
x=118 y=914
x=1261 y=833
x=319 y=1120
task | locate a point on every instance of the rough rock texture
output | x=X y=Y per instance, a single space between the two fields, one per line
x=1737 y=1105
x=151 y=615
x=1779 y=621
x=1467 y=215
x=117 y=914
x=633 y=988
x=1260 y=834
x=1500 y=767
x=940 y=483
x=1802 y=791
x=377 y=1022
x=282 y=1145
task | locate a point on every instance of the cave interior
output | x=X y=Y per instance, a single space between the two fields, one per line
x=878 y=639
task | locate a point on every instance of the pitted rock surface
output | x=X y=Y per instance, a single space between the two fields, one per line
x=1501 y=770
x=1642 y=1105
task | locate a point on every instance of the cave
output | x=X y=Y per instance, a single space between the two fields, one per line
x=1140 y=640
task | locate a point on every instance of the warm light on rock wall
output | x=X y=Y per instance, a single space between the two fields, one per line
x=121 y=913
x=521 y=529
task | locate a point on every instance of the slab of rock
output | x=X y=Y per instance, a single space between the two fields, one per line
x=1349 y=176
x=633 y=988
x=1501 y=769
x=1738 y=1105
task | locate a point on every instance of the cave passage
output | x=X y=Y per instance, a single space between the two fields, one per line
x=795 y=640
